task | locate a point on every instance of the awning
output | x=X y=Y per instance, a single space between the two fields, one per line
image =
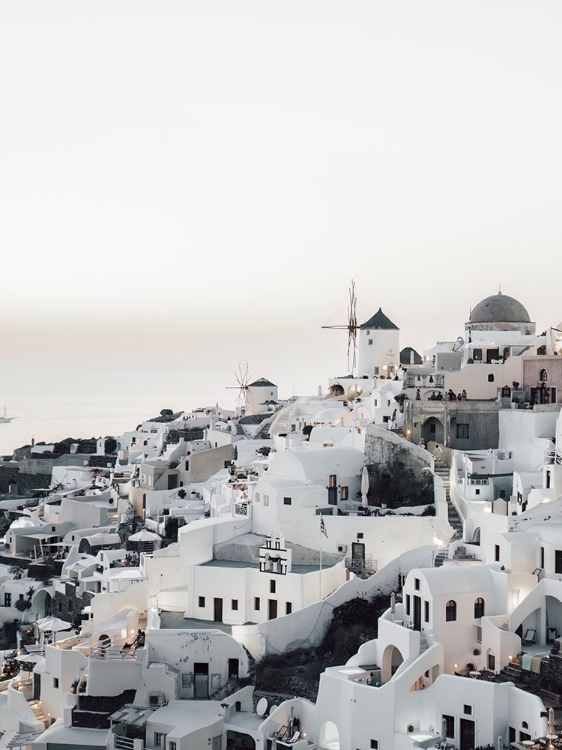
x=134 y=716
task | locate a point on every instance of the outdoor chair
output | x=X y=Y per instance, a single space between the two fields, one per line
x=529 y=637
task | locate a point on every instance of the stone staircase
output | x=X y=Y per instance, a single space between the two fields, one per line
x=453 y=516
x=37 y=709
x=440 y=558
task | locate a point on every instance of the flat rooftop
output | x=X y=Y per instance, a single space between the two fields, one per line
x=300 y=569
x=176 y=621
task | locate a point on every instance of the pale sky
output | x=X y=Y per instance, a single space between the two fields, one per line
x=198 y=181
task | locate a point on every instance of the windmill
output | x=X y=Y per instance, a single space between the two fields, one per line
x=351 y=327
x=243 y=379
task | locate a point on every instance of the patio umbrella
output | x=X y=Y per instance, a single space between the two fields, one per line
x=52 y=624
x=28 y=661
x=364 y=486
x=144 y=536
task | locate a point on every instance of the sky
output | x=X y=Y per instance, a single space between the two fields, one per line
x=190 y=186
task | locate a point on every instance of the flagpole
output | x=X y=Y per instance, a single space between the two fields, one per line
x=320 y=579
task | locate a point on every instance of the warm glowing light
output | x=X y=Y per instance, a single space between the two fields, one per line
x=456 y=666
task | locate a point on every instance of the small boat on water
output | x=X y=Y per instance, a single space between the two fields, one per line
x=5 y=419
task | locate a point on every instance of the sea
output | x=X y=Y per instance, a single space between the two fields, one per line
x=50 y=404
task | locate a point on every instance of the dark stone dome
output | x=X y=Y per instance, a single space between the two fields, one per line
x=499 y=308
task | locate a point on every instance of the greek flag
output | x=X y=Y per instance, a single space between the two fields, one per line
x=323 y=527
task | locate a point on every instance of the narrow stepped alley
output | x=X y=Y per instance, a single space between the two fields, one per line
x=454 y=518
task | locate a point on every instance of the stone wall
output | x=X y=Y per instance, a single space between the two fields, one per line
x=382 y=445
x=25 y=481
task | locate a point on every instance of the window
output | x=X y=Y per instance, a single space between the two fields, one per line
x=450 y=724
x=426 y=611
x=21 y=597
x=201 y=601
x=7 y=600
x=451 y=612
x=543 y=376
x=360 y=535
x=235 y=604
x=288 y=608
x=417 y=584
x=159 y=739
x=186 y=680
x=491 y=377
x=462 y=432
x=407 y=604
x=272 y=587
x=467 y=710
x=542 y=558
x=370 y=342
x=376 y=373
x=256 y=602
x=479 y=607
x=477 y=355
x=55 y=682
x=287 y=501
x=497 y=552
x=172 y=745
x=332 y=481
x=476 y=491
x=558 y=561
x=344 y=493
x=374 y=745
x=266 y=500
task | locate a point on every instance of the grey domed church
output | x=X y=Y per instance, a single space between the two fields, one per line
x=500 y=313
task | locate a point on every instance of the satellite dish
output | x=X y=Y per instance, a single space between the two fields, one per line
x=261 y=708
x=273 y=708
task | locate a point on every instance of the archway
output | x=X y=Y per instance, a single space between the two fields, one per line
x=391 y=660
x=42 y=604
x=329 y=738
x=433 y=431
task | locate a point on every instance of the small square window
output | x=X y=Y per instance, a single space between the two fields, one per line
x=370 y=342
x=272 y=587
x=55 y=682
x=360 y=535
x=417 y=584
x=467 y=710
x=374 y=745
x=235 y=604
x=256 y=602
x=463 y=432
x=491 y=377
x=287 y=501
x=201 y=601
x=477 y=492
x=288 y=608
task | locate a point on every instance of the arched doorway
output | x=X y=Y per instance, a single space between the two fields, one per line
x=433 y=430
x=41 y=604
x=391 y=660
x=329 y=738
